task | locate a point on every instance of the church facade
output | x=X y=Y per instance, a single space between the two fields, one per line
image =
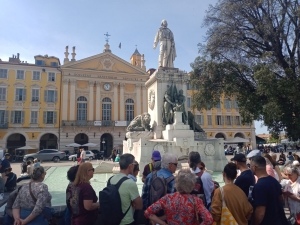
x=100 y=95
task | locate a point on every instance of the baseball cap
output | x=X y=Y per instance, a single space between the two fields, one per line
x=253 y=153
x=156 y=155
x=239 y=158
x=7 y=154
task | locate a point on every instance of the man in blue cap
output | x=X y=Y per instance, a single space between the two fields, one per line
x=149 y=168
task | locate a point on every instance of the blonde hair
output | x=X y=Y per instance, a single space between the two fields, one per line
x=81 y=176
x=35 y=160
x=185 y=181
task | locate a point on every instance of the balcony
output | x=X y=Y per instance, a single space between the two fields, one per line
x=77 y=123
x=3 y=125
x=87 y=123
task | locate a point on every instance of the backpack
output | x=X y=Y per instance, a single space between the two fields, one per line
x=150 y=167
x=198 y=189
x=158 y=187
x=110 y=203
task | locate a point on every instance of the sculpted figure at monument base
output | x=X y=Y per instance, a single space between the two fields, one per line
x=140 y=123
x=193 y=125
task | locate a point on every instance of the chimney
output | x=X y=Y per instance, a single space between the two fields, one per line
x=18 y=55
x=73 y=54
x=14 y=59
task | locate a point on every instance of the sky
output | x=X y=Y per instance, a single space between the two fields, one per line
x=47 y=27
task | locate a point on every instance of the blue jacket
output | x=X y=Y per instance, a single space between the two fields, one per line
x=165 y=173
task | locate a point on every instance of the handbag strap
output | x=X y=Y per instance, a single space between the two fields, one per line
x=196 y=213
x=35 y=200
x=223 y=200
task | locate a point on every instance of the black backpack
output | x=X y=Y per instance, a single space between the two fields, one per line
x=110 y=203
x=158 y=187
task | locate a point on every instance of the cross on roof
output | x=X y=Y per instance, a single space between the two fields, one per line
x=107 y=37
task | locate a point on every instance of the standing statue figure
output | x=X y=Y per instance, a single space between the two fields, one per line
x=167 y=51
x=179 y=105
x=168 y=116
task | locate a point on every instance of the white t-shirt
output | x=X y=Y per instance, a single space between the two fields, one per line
x=82 y=155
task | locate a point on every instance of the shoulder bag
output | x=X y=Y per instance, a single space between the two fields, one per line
x=51 y=220
x=226 y=216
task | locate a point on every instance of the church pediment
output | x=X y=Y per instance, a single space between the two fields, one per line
x=105 y=62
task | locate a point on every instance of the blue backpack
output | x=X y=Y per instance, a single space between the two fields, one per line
x=110 y=203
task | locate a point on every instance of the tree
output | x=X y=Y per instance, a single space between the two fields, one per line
x=252 y=52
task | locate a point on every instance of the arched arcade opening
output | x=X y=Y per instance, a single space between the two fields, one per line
x=106 y=143
x=48 y=141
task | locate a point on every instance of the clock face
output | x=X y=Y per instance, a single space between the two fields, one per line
x=107 y=87
x=209 y=150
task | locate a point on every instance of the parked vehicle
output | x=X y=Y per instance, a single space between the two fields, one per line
x=98 y=154
x=88 y=156
x=229 y=151
x=45 y=155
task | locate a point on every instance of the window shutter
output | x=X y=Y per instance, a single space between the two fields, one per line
x=45 y=117
x=24 y=95
x=22 y=117
x=16 y=95
x=222 y=120
x=5 y=117
x=216 y=120
x=12 y=117
x=54 y=117
x=202 y=120
x=55 y=96
x=46 y=95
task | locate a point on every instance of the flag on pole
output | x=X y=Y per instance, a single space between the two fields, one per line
x=120 y=45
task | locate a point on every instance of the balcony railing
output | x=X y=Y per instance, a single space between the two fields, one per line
x=3 y=125
x=85 y=123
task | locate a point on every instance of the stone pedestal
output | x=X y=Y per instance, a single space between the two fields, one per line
x=176 y=138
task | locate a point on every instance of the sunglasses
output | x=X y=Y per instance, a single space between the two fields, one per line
x=175 y=164
x=92 y=169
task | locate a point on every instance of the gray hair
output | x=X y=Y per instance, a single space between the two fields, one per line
x=37 y=173
x=292 y=169
x=185 y=181
x=126 y=160
x=166 y=159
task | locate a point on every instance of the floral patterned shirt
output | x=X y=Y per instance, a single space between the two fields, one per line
x=180 y=210
x=40 y=192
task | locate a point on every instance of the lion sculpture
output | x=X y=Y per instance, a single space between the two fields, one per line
x=140 y=123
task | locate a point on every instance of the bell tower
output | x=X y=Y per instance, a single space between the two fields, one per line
x=136 y=58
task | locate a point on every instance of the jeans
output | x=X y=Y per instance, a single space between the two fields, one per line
x=39 y=220
x=7 y=220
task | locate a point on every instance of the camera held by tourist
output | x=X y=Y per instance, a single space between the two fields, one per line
x=181 y=208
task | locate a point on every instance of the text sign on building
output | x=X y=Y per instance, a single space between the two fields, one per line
x=121 y=123
x=97 y=123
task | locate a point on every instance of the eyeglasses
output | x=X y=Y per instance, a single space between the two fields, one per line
x=92 y=169
x=175 y=164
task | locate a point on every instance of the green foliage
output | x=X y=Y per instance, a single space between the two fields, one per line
x=252 y=52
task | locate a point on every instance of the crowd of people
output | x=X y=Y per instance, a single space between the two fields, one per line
x=253 y=193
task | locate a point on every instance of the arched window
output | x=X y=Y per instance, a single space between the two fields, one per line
x=106 y=109
x=129 y=109
x=82 y=108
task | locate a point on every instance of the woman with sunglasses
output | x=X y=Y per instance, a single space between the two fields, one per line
x=82 y=198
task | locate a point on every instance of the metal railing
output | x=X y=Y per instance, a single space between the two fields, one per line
x=85 y=123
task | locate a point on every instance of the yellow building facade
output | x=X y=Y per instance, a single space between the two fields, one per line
x=224 y=121
x=29 y=103
x=101 y=94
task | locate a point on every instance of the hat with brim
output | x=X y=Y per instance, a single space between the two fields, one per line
x=156 y=155
x=253 y=153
